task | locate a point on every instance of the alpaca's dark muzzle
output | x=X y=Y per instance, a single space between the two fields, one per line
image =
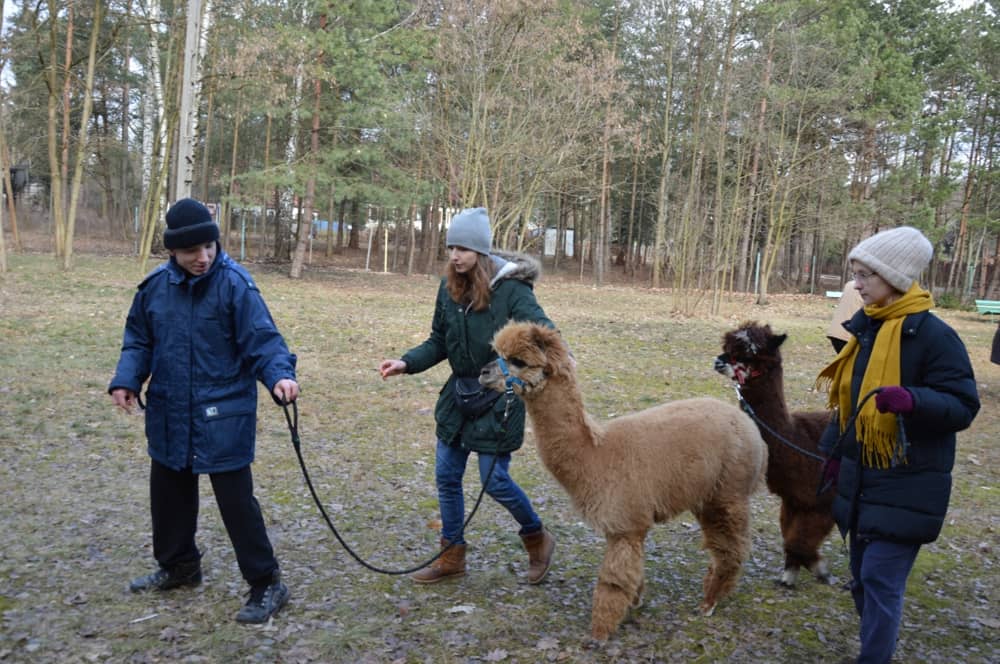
x=722 y=365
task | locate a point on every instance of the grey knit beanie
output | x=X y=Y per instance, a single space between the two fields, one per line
x=898 y=255
x=470 y=229
x=189 y=223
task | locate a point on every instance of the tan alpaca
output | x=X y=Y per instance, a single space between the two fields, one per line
x=701 y=455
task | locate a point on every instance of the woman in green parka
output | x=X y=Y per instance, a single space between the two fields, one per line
x=480 y=294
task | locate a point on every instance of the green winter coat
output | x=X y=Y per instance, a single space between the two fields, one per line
x=463 y=338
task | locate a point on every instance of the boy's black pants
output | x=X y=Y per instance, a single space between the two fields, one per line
x=174 y=503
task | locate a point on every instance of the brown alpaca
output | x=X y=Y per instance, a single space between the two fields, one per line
x=623 y=476
x=751 y=358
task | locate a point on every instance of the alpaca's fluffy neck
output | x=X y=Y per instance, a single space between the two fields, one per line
x=564 y=432
x=766 y=395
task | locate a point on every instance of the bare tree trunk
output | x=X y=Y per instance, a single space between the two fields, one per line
x=81 y=146
x=436 y=225
x=210 y=104
x=603 y=228
x=7 y=184
x=962 y=241
x=225 y=214
x=291 y=148
x=723 y=235
x=331 y=215
x=190 y=84
x=626 y=258
x=666 y=140
x=66 y=130
x=753 y=181
x=155 y=141
x=305 y=228
x=55 y=169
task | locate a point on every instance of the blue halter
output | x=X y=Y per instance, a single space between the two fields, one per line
x=509 y=379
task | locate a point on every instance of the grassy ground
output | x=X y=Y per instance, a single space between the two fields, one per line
x=76 y=526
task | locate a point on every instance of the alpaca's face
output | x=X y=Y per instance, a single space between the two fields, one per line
x=749 y=352
x=531 y=354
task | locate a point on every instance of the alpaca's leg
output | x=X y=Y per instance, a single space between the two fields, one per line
x=803 y=533
x=618 y=583
x=790 y=573
x=816 y=525
x=726 y=533
x=637 y=596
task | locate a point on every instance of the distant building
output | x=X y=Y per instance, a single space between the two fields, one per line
x=550 y=242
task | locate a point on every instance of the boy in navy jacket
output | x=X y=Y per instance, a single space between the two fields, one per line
x=199 y=331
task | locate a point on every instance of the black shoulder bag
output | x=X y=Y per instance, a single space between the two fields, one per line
x=472 y=398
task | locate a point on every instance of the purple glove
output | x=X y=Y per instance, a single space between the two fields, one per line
x=894 y=399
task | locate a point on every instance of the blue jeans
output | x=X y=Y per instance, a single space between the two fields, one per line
x=879 y=569
x=450 y=467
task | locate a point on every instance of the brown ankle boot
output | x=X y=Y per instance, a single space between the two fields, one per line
x=539 y=546
x=451 y=564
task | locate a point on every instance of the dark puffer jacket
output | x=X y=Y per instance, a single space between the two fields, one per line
x=203 y=342
x=907 y=503
x=463 y=338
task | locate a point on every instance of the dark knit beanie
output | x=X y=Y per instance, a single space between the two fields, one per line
x=189 y=223
x=470 y=229
x=898 y=255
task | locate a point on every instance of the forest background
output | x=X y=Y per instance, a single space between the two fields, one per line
x=706 y=146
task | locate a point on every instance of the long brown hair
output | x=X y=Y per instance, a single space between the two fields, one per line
x=473 y=286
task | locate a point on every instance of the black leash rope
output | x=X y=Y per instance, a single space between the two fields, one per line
x=902 y=443
x=749 y=411
x=293 y=428
x=898 y=453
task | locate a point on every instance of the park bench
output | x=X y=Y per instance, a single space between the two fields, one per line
x=988 y=307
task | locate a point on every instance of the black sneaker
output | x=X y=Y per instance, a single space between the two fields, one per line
x=264 y=602
x=168 y=579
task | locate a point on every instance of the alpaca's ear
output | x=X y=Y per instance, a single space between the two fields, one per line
x=776 y=341
x=538 y=337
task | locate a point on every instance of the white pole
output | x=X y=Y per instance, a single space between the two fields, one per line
x=368 y=254
x=756 y=276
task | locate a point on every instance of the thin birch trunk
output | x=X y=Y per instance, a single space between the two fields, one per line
x=66 y=130
x=82 y=143
x=666 y=142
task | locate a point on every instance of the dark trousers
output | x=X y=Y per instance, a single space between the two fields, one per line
x=880 y=569
x=173 y=498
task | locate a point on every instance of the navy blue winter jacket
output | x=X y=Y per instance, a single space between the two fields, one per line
x=907 y=503
x=202 y=342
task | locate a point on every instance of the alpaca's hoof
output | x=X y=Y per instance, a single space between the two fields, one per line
x=637 y=598
x=593 y=643
x=707 y=609
x=599 y=633
x=789 y=577
x=821 y=571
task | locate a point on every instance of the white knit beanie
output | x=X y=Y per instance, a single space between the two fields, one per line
x=470 y=229
x=898 y=255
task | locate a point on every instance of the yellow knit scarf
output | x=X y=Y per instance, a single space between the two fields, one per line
x=876 y=432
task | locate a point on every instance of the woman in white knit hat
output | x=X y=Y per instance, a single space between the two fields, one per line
x=892 y=464
x=482 y=290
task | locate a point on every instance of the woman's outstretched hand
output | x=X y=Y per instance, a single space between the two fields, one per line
x=391 y=368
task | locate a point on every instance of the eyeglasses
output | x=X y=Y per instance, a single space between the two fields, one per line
x=864 y=276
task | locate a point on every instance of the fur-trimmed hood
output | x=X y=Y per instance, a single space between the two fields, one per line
x=514 y=265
